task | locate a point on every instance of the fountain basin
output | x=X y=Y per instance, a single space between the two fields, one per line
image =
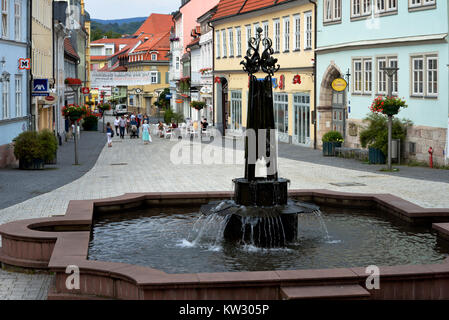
x=54 y=243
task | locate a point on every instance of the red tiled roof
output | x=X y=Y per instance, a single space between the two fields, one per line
x=68 y=49
x=99 y=57
x=155 y=24
x=194 y=42
x=227 y=8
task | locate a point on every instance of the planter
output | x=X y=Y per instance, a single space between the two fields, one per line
x=54 y=160
x=35 y=164
x=329 y=148
x=376 y=156
x=91 y=127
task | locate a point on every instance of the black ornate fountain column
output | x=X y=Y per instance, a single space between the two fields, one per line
x=261 y=213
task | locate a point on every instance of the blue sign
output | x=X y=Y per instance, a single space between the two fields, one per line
x=40 y=88
x=168 y=96
x=274 y=80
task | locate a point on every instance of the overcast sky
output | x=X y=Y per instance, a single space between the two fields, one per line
x=120 y=9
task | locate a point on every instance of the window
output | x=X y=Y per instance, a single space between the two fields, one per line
x=358 y=73
x=383 y=6
x=362 y=70
x=332 y=10
x=4 y=18
x=217 y=42
x=418 y=4
x=108 y=51
x=17 y=20
x=154 y=77
x=248 y=36
x=381 y=76
x=277 y=35
x=368 y=76
x=5 y=99
x=239 y=41
x=236 y=110
x=286 y=34
x=154 y=56
x=231 y=42
x=432 y=76
x=177 y=64
x=308 y=30
x=255 y=26
x=18 y=82
x=425 y=75
x=281 y=112
x=265 y=29
x=297 y=19
x=360 y=8
x=225 y=47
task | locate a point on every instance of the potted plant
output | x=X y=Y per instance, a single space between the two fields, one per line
x=90 y=122
x=104 y=107
x=388 y=106
x=74 y=112
x=49 y=145
x=375 y=136
x=27 y=148
x=198 y=105
x=331 y=140
x=184 y=84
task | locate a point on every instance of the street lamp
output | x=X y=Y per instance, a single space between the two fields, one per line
x=391 y=72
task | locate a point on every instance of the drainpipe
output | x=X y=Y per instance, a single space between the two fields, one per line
x=315 y=75
x=213 y=74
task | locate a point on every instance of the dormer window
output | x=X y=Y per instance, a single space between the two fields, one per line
x=153 y=56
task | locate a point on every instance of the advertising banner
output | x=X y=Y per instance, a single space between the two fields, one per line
x=115 y=79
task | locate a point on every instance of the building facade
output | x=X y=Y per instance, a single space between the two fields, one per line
x=385 y=37
x=290 y=25
x=14 y=89
x=42 y=61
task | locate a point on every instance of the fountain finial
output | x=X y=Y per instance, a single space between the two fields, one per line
x=254 y=61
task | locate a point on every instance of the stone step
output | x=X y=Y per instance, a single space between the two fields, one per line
x=350 y=291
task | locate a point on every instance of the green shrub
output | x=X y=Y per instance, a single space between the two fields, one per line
x=27 y=146
x=333 y=136
x=376 y=134
x=168 y=115
x=48 y=144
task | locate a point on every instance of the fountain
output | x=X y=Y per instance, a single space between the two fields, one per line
x=261 y=213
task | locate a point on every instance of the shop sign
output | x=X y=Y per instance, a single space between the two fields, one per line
x=339 y=84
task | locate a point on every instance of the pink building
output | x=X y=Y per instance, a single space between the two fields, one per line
x=191 y=10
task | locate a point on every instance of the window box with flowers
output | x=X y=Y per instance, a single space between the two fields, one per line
x=174 y=39
x=205 y=71
x=184 y=84
x=74 y=82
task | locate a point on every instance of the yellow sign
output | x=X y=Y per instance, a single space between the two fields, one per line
x=339 y=84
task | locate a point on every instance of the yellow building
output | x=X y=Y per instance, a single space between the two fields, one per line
x=290 y=26
x=42 y=60
x=142 y=98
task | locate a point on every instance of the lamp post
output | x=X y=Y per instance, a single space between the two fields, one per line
x=391 y=72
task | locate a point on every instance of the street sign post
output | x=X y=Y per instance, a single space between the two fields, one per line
x=40 y=88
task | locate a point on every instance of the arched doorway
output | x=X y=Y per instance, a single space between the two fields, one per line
x=332 y=106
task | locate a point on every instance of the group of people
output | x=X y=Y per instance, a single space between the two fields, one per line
x=131 y=124
x=189 y=123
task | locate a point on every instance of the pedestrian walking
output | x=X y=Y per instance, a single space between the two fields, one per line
x=117 y=125
x=146 y=132
x=122 y=125
x=109 y=133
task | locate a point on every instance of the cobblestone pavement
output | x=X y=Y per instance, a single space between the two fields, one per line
x=22 y=185
x=131 y=166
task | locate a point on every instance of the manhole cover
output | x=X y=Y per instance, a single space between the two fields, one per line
x=119 y=164
x=348 y=184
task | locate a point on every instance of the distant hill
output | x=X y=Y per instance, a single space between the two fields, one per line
x=120 y=21
x=114 y=28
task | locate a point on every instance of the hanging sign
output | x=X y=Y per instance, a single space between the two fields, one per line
x=85 y=90
x=282 y=82
x=25 y=64
x=339 y=84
